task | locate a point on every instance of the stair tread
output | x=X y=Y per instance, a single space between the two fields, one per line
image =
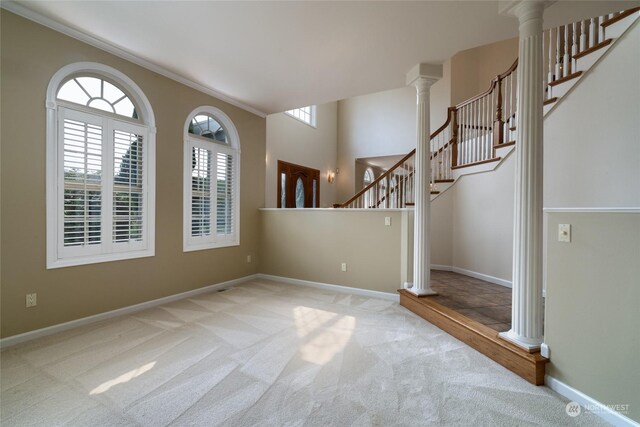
x=566 y=78
x=592 y=49
x=550 y=100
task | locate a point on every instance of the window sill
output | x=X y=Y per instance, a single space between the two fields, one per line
x=192 y=247
x=95 y=259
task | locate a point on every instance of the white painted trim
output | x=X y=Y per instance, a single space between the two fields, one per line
x=372 y=210
x=147 y=127
x=485 y=277
x=607 y=414
x=593 y=210
x=330 y=287
x=441 y=267
x=27 y=13
x=50 y=330
x=190 y=244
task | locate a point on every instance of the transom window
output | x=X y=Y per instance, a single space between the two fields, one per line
x=305 y=114
x=211 y=181
x=100 y=171
x=97 y=93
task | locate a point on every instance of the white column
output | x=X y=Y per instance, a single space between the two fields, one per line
x=422 y=76
x=526 y=312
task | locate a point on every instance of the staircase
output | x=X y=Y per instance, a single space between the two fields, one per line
x=477 y=135
x=481 y=131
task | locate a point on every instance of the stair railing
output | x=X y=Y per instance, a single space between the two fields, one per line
x=476 y=127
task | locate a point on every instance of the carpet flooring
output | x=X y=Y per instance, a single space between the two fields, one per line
x=267 y=354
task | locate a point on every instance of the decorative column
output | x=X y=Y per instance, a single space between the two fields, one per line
x=422 y=76
x=526 y=311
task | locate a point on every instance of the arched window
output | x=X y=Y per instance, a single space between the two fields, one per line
x=100 y=167
x=211 y=180
x=366 y=180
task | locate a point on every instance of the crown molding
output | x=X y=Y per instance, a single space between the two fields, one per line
x=101 y=44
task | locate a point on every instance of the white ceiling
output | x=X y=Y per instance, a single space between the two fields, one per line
x=272 y=56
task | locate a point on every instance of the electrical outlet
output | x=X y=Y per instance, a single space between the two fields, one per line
x=32 y=300
x=344 y=266
x=564 y=233
x=387 y=221
x=248 y=259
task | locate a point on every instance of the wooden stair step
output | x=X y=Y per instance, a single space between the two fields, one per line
x=592 y=49
x=495 y=159
x=437 y=181
x=505 y=144
x=566 y=78
x=435 y=192
x=620 y=17
x=528 y=365
x=550 y=100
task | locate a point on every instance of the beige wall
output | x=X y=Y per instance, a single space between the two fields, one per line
x=473 y=69
x=592 y=138
x=441 y=228
x=31 y=54
x=591 y=313
x=483 y=221
x=292 y=141
x=382 y=124
x=311 y=244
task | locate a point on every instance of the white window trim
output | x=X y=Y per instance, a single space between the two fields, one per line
x=313 y=123
x=233 y=140
x=54 y=258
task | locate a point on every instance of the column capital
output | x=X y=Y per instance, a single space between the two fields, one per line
x=424 y=75
x=524 y=10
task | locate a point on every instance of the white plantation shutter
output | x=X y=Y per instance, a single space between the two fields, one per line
x=211 y=171
x=225 y=195
x=102 y=185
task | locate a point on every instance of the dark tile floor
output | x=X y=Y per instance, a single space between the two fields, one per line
x=476 y=299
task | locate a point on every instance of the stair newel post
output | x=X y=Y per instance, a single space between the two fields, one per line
x=453 y=112
x=498 y=123
x=422 y=77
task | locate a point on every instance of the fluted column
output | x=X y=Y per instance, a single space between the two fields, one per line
x=422 y=76
x=526 y=313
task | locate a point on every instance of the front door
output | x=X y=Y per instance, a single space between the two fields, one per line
x=298 y=186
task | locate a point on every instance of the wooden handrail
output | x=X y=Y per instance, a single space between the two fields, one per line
x=492 y=86
x=399 y=163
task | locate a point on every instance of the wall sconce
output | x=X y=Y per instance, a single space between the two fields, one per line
x=331 y=176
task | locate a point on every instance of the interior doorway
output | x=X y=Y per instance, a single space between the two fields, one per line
x=298 y=186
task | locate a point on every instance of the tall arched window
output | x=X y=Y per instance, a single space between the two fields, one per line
x=211 y=180
x=366 y=180
x=100 y=167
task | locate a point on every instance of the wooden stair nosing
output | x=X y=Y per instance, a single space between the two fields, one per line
x=565 y=78
x=592 y=49
x=550 y=100
x=505 y=144
x=481 y=162
x=529 y=365
x=620 y=17
x=438 y=181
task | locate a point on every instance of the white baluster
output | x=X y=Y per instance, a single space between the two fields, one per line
x=601 y=29
x=558 y=57
x=583 y=36
x=576 y=46
x=566 y=64
x=550 y=73
x=592 y=32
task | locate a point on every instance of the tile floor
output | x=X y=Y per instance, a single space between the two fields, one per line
x=476 y=299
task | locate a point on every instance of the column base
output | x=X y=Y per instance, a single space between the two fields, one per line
x=526 y=343
x=419 y=292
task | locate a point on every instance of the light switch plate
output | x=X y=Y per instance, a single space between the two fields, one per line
x=387 y=221
x=343 y=267
x=564 y=233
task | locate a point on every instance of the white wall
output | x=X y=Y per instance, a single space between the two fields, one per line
x=483 y=221
x=592 y=138
x=292 y=141
x=383 y=124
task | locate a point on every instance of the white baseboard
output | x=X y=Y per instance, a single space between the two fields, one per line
x=441 y=267
x=336 y=288
x=486 y=278
x=586 y=402
x=50 y=330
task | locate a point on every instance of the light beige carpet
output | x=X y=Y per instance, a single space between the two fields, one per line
x=267 y=354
